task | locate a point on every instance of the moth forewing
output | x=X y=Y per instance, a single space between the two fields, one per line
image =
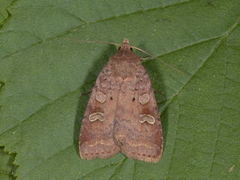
x=122 y=114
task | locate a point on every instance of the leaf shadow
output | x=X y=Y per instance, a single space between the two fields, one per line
x=85 y=90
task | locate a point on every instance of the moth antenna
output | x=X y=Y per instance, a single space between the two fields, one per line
x=145 y=59
x=125 y=40
x=145 y=52
x=91 y=41
x=112 y=43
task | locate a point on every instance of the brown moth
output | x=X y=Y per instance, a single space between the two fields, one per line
x=122 y=114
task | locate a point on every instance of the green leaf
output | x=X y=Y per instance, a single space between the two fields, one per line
x=45 y=77
x=7 y=168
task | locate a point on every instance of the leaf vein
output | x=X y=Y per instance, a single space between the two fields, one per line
x=118 y=168
x=89 y=23
x=42 y=108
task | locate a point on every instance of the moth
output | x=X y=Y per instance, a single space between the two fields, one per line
x=122 y=114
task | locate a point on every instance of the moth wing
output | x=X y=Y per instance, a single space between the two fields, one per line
x=96 y=134
x=138 y=128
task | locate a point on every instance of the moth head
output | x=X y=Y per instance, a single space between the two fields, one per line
x=125 y=46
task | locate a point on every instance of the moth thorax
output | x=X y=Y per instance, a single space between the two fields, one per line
x=124 y=69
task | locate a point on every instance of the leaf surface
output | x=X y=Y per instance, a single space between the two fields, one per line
x=47 y=70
